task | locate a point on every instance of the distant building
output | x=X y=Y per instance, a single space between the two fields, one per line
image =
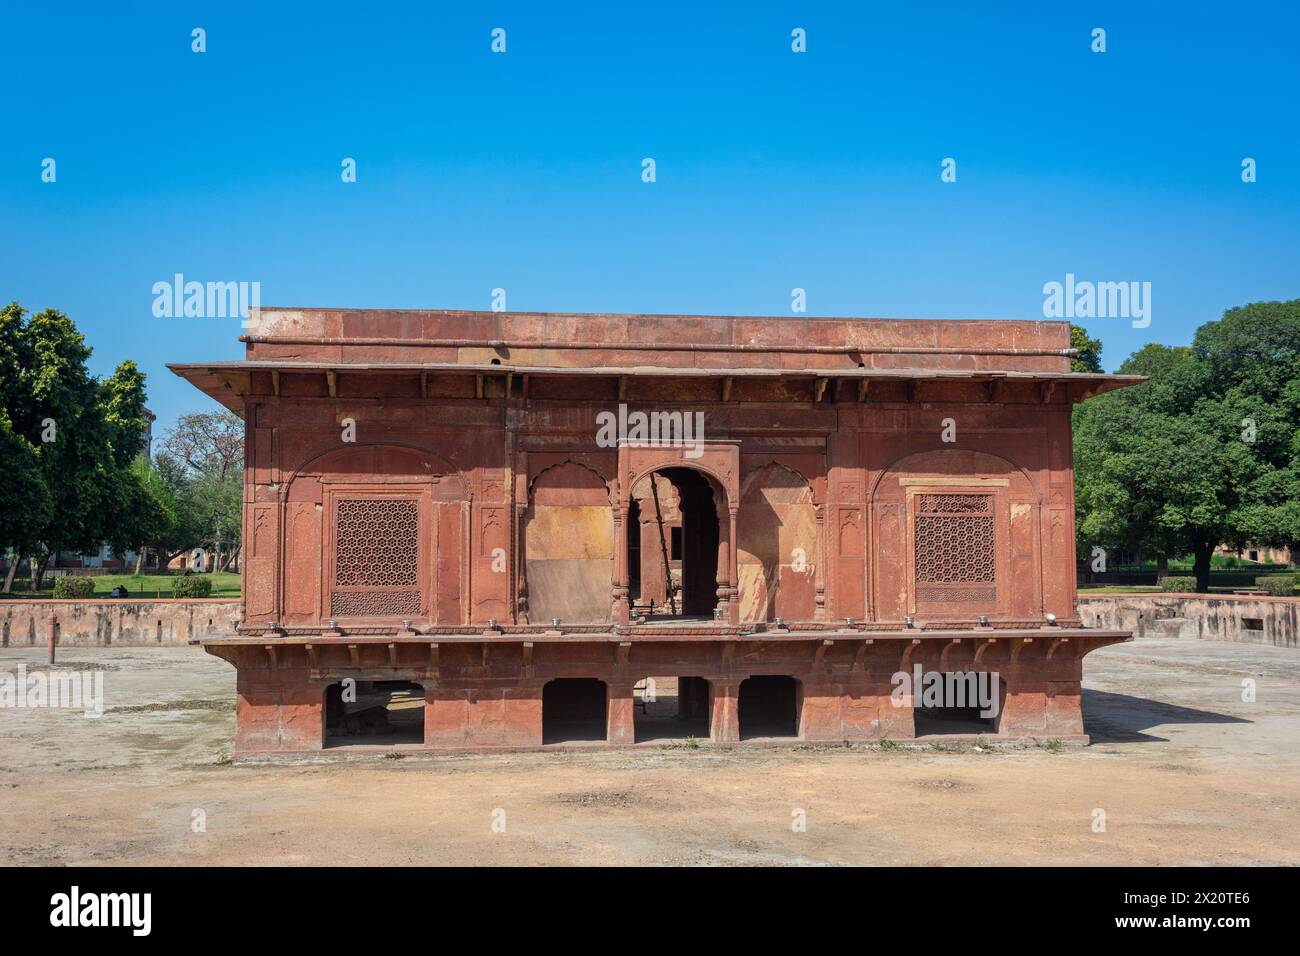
x=1257 y=555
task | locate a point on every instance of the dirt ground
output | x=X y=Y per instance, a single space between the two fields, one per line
x=1184 y=771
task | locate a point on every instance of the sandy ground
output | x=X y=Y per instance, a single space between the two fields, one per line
x=1184 y=771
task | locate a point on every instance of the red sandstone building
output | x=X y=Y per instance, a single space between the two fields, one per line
x=452 y=543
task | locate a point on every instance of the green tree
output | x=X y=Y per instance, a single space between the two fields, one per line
x=155 y=513
x=207 y=440
x=1206 y=451
x=177 y=534
x=206 y=452
x=84 y=434
x=1088 y=358
x=24 y=501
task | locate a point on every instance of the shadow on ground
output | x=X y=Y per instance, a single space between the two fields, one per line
x=1121 y=718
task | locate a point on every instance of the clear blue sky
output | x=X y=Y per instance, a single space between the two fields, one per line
x=523 y=170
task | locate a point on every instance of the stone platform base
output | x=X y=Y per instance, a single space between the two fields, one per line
x=363 y=752
x=534 y=690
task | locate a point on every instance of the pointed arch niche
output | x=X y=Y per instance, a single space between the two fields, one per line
x=569 y=544
x=777 y=549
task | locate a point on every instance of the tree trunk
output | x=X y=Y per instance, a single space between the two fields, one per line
x=228 y=559
x=1201 y=567
x=1162 y=568
x=139 y=559
x=40 y=571
x=13 y=570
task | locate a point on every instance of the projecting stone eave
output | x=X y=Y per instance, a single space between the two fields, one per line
x=232 y=382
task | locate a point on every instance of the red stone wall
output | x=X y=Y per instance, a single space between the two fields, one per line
x=838 y=481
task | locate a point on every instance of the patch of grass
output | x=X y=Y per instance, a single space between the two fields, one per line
x=598 y=798
x=1051 y=746
x=225 y=584
x=887 y=744
x=1119 y=589
x=223 y=758
x=227 y=706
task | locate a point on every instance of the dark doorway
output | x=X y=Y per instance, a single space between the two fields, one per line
x=696 y=544
x=768 y=707
x=574 y=709
x=959 y=711
x=671 y=708
x=374 y=713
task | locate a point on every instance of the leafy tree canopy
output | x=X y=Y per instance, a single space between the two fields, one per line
x=1088 y=358
x=1205 y=452
x=202 y=461
x=71 y=439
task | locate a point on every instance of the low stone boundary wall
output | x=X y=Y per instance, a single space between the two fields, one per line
x=126 y=622
x=1209 y=617
x=137 y=622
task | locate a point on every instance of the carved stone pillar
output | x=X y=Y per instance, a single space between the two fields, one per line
x=521 y=565
x=733 y=579
x=724 y=557
x=519 y=513
x=621 y=608
x=621 y=713
x=819 y=611
x=724 y=715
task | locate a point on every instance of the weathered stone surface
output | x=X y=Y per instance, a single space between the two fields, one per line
x=1210 y=617
x=128 y=622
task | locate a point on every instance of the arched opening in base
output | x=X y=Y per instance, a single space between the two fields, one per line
x=574 y=709
x=374 y=713
x=768 y=706
x=671 y=708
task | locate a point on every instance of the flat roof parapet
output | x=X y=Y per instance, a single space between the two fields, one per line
x=604 y=339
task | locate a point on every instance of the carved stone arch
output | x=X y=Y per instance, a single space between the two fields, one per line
x=778 y=548
x=606 y=480
x=712 y=467
x=772 y=461
x=390 y=460
x=642 y=492
x=569 y=545
x=720 y=484
x=896 y=465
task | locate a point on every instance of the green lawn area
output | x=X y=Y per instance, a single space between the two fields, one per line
x=1139 y=589
x=1120 y=589
x=224 y=585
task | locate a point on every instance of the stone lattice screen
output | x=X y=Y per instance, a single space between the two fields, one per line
x=376 y=567
x=956 y=557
